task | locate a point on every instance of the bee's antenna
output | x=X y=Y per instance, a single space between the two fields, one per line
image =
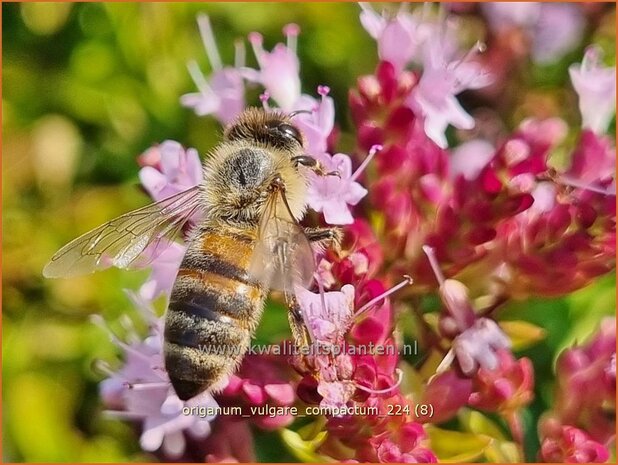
x=298 y=112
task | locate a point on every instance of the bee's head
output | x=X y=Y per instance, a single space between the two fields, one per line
x=269 y=128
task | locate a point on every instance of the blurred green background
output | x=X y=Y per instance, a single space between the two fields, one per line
x=86 y=88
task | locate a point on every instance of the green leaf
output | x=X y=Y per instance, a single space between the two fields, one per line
x=304 y=450
x=412 y=382
x=522 y=333
x=476 y=422
x=311 y=431
x=503 y=452
x=431 y=363
x=454 y=447
x=500 y=450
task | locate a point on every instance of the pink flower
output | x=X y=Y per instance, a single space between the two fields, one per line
x=553 y=29
x=460 y=314
x=175 y=170
x=339 y=378
x=404 y=446
x=165 y=264
x=332 y=194
x=469 y=158
x=140 y=390
x=588 y=368
x=501 y=16
x=572 y=445
x=279 y=69
x=506 y=387
x=373 y=22
x=447 y=392
x=596 y=87
x=231 y=441
x=397 y=38
x=317 y=126
x=559 y=29
x=262 y=380
x=223 y=94
x=593 y=160
x=328 y=318
x=443 y=77
x=279 y=74
x=479 y=346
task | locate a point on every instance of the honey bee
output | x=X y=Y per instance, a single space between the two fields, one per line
x=248 y=242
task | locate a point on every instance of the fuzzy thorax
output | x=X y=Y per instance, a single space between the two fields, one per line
x=237 y=178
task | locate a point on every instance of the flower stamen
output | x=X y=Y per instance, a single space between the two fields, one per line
x=256 y=40
x=100 y=322
x=372 y=152
x=406 y=282
x=572 y=182
x=291 y=31
x=124 y=415
x=240 y=54
x=435 y=266
x=104 y=367
x=208 y=39
x=147 y=386
x=323 y=90
x=129 y=327
x=446 y=362
x=199 y=79
x=264 y=97
x=478 y=47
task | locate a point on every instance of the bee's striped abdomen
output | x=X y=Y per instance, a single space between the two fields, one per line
x=214 y=308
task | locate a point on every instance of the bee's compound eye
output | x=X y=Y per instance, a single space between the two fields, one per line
x=288 y=131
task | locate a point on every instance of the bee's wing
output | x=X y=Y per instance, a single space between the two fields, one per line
x=282 y=256
x=120 y=241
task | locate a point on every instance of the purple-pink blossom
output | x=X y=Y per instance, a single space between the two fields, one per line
x=595 y=85
x=334 y=193
x=572 y=445
x=328 y=315
x=554 y=29
x=444 y=76
x=164 y=266
x=318 y=125
x=469 y=158
x=397 y=38
x=278 y=70
x=171 y=169
x=478 y=346
x=140 y=390
x=223 y=94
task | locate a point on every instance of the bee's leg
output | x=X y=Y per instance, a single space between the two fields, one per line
x=305 y=160
x=325 y=237
x=314 y=165
x=300 y=333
